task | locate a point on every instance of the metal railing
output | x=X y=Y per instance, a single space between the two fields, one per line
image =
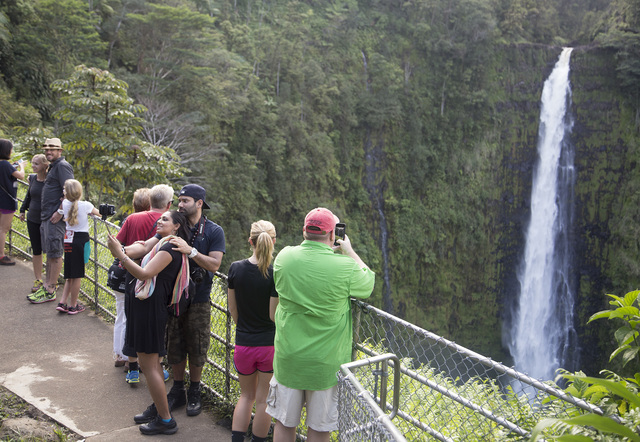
x=359 y=416
x=441 y=390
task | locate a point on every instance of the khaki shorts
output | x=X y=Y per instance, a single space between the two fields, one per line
x=52 y=238
x=285 y=405
x=189 y=335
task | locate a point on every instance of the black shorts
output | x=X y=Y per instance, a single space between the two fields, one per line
x=76 y=255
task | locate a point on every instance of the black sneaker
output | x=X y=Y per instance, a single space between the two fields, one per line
x=147 y=415
x=176 y=398
x=194 y=404
x=156 y=426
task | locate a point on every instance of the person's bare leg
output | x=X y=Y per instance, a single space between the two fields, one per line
x=37 y=266
x=5 y=226
x=178 y=370
x=242 y=412
x=195 y=373
x=54 y=267
x=74 y=291
x=283 y=434
x=152 y=371
x=262 y=421
x=318 y=436
x=66 y=290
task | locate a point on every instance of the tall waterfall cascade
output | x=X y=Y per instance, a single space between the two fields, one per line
x=543 y=337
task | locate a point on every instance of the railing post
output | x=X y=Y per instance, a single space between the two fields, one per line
x=227 y=356
x=356 y=330
x=95 y=260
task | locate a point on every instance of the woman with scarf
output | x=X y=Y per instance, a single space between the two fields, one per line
x=163 y=279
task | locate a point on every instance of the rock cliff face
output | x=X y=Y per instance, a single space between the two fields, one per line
x=601 y=162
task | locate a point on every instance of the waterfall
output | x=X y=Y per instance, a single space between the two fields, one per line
x=542 y=337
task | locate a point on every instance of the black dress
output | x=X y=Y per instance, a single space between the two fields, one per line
x=150 y=315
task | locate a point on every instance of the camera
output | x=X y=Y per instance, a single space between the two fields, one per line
x=340 y=231
x=106 y=210
x=197 y=274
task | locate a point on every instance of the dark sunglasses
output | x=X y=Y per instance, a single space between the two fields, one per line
x=51 y=145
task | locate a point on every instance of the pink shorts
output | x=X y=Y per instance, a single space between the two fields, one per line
x=7 y=212
x=249 y=359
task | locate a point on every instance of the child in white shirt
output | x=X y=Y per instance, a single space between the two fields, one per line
x=76 y=245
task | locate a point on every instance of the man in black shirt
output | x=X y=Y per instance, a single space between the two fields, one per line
x=53 y=227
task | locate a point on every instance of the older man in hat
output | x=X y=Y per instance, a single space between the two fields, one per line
x=52 y=227
x=188 y=335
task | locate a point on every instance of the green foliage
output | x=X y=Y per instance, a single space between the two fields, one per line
x=101 y=134
x=627 y=335
x=618 y=397
x=49 y=38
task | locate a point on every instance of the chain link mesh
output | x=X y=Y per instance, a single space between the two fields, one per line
x=448 y=392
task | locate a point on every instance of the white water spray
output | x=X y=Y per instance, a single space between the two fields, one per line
x=542 y=335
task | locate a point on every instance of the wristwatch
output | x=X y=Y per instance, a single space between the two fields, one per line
x=193 y=253
x=60 y=211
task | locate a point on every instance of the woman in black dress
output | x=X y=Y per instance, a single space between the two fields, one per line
x=168 y=270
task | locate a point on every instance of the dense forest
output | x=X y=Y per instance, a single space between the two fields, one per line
x=414 y=121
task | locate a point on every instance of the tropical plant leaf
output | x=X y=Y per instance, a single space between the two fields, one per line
x=604 y=424
x=629 y=355
x=630 y=297
x=615 y=387
x=573 y=438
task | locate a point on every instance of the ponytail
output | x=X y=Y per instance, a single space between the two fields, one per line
x=73 y=193
x=262 y=235
x=72 y=216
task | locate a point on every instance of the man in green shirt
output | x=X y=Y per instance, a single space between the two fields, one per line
x=313 y=326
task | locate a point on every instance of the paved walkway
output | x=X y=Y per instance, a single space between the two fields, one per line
x=62 y=364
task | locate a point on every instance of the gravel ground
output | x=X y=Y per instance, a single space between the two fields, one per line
x=19 y=421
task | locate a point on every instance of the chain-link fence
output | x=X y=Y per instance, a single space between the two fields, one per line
x=359 y=416
x=446 y=391
x=441 y=391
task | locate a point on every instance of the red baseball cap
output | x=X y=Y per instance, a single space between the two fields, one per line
x=320 y=221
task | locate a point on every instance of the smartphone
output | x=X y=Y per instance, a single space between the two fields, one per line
x=340 y=230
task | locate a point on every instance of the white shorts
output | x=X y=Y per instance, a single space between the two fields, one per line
x=285 y=405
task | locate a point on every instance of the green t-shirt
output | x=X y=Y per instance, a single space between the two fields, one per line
x=313 y=319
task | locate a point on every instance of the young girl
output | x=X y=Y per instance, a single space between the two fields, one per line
x=252 y=299
x=76 y=245
x=39 y=164
x=8 y=190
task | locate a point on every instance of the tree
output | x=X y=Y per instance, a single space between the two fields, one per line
x=47 y=43
x=101 y=131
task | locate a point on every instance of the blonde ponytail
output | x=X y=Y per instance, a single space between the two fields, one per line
x=73 y=193
x=262 y=235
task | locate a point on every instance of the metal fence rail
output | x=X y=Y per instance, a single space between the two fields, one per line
x=359 y=415
x=448 y=392
x=443 y=391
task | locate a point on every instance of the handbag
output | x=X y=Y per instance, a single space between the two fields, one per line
x=116 y=276
x=185 y=301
